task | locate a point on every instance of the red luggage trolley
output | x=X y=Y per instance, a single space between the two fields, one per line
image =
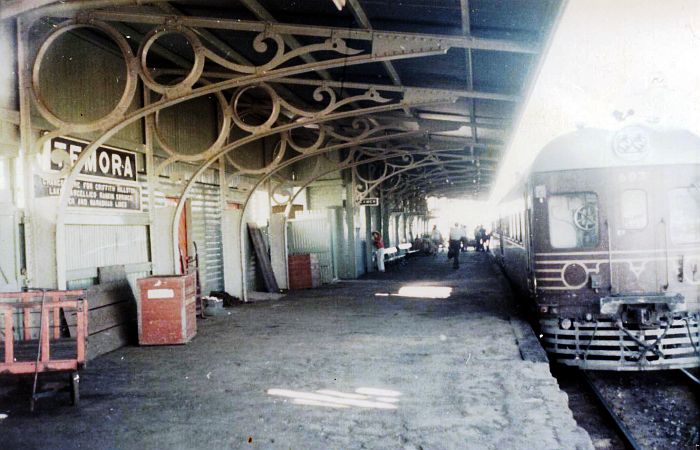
x=33 y=339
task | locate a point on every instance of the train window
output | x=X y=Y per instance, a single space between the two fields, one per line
x=684 y=205
x=633 y=208
x=573 y=220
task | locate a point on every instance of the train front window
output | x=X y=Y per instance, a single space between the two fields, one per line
x=573 y=220
x=633 y=209
x=684 y=205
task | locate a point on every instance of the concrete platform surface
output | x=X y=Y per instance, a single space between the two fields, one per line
x=352 y=365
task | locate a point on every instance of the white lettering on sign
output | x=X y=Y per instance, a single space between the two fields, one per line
x=369 y=201
x=104 y=162
x=160 y=293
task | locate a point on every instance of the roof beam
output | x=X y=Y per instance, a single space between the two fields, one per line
x=400 y=89
x=467 y=120
x=445 y=41
x=227 y=51
x=367 y=86
x=224 y=48
x=262 y=14
x=466 y=31
x=361 y=17
x=421 y=121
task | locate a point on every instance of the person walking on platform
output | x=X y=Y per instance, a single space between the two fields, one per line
x=464 y=240
x=436 y=237
x=379 y=245
x=487 y=241
x=456 y=235
x=482 y=238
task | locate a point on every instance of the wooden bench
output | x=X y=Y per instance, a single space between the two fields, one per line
x=391 y=254
x=407 y=249
x=397 y=254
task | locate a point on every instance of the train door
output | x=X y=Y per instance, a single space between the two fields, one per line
x=636 y=235
x=528 y=239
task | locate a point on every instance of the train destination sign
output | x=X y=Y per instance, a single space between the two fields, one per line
x=369 y=201
x=105 y=162
x=92 y=194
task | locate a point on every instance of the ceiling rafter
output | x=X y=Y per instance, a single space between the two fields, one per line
x=377 y=36
x=361 y=17
x=262 y=14
x=226 y=50
x=462 y=93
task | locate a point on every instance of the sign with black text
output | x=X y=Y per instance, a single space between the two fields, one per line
x=370 y=201
x=91 y=194
x=104 y=162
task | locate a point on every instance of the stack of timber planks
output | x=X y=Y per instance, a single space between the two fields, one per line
x=263 y=258
x=111 y=313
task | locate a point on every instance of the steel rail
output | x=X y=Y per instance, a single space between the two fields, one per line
x=691 y=377
x=625 y=433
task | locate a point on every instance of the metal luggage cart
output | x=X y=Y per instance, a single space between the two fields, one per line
x=35 y=337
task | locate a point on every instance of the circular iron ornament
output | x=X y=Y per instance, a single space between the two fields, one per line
x=288 y=136
x=224 y=131
x=186 y=84
x=631 y=143
x=129 y=89
x=586 y=217
x=274 y=114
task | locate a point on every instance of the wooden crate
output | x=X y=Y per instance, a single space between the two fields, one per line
x=304 y=271
x=167 y=309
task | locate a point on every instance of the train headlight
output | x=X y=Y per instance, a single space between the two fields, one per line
x=544 y=309
x=565 y=324
x=589 y=317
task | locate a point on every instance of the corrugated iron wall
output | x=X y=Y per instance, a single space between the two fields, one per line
x=93 y=246
x=310 y=232
x=324 y=196
x=206 y=232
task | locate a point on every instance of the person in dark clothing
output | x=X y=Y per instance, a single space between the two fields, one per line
x=482 y=238
x=487 y=242
x=477 y=238
x=456 y=235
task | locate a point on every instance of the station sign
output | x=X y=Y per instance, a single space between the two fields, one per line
x=104 y=162
x=370 y=201
x=92 y=194
x=108 y=178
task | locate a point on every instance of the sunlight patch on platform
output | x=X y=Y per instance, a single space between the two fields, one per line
x=362 y=398
x=419 y=292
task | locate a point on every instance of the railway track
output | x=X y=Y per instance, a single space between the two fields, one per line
x=650 y=410
x=624 y=433
x=693 y=377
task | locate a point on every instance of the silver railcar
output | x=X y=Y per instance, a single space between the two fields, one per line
x=604 y=236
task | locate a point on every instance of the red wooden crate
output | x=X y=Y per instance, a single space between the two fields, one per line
x=299 y=271
x=167 y=309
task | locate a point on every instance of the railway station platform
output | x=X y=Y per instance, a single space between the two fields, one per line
x=371 y=363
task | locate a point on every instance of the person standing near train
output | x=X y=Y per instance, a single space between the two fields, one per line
x=456 y=235
x=379 y=245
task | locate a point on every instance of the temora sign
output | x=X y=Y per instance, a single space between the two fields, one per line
x=106 y=162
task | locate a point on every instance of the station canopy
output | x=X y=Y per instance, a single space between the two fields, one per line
x=428 y=90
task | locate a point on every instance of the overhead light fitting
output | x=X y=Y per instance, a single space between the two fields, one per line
x=340 y=4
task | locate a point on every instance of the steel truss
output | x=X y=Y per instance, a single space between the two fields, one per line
x=399 y=159
x=284 y=116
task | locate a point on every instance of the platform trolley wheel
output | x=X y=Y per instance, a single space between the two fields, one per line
x=75 y=388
